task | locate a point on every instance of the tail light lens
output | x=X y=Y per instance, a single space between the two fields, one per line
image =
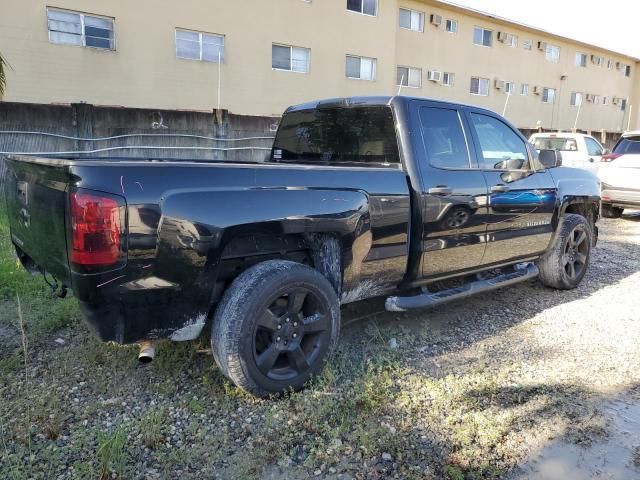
x=96 y=229
x=610 y=157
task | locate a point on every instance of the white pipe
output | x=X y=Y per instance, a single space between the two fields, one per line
x=219 y=78
x=575 y=124
x=629 y=119
x=506 y=102
x=400 y=86
x=132 y=135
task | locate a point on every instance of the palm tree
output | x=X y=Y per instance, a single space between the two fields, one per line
x=3 y=77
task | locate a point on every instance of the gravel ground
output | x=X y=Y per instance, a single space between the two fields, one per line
x=490 y=387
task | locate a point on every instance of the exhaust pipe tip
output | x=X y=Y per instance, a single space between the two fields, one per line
x=147 y=352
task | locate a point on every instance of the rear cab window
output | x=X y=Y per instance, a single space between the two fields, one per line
x=561 y=144
x=359 y=135
x=628 y=145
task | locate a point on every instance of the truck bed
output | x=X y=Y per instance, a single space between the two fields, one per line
x=189 y=224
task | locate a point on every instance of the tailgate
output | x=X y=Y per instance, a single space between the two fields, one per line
x=36 y=194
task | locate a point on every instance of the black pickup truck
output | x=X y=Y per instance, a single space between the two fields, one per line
x=422 y=201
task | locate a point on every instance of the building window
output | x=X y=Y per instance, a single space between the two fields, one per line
x=409 y=77
x=412 y=20
x=205 y=47
x=292 y=59
x=623 y=104
x=508 y=87
x=451 y=26
x=596 y=99
x=548 y=95
x=609 y=64
x=448 y=79
x=361 y=68
x=605 y=100
x=482 y=37
x=512 y=41
x=576 y=99
x=524 y=89
x=71 y=28
x=527 y=44
x=581 y=60
x=366 y=7
x=552 y=53
x=479 y=86
x=627 y=70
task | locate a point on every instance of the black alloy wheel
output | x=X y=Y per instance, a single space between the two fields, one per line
x=576 y=252
x=289 y=334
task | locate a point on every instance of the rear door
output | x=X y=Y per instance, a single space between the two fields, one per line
x=521 y=200
x=453 y=191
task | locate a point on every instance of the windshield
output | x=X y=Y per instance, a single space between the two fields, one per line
x=337 y=135
x=628 y=145
x=556 y=143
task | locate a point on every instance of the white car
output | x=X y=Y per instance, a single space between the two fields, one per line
x=578 y=150
x=620 y=176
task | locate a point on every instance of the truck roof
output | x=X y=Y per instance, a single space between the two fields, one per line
x=559 y=134
x=346 y=102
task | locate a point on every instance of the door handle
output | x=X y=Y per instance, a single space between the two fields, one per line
x=440 y=190
x=499 y=189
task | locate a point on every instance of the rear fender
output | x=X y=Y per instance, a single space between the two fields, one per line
x=196 y=226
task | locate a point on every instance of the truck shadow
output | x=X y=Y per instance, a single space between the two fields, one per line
x=457 y=324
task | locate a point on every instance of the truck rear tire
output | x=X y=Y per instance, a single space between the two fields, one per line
x=275 y=326
x=566 y=264
x=609 y=211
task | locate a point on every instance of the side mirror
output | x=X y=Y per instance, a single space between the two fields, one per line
x=606 y=151
x=550 y=158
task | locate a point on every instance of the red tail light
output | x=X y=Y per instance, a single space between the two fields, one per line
x=95 y=229
x=610 y=157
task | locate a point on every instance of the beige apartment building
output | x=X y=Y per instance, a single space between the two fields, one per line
x=256 y=57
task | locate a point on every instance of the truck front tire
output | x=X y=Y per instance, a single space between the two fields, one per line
x=566 y=264
x=275 y=326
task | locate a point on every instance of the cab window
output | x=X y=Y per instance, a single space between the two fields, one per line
x=501 y=148
x=593 y=147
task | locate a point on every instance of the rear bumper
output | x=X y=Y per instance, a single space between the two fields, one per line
x=625 y=198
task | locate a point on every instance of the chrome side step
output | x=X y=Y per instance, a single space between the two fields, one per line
x=427 y=299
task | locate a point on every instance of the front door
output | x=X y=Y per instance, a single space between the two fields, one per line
x=594 y=151
x=522 y=195
x=453 y=192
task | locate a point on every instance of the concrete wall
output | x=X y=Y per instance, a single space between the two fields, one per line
x=143 y=71
x=132 y=133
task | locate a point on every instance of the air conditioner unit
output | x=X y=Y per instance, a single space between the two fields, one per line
x=615 y=101
x=618 y=65
x=596 y=60
x=589 y=97
x=537 y=90
x=499 y=84
x=502 y=37
x=542 y=46
x=434 y=75
x=436 y=19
